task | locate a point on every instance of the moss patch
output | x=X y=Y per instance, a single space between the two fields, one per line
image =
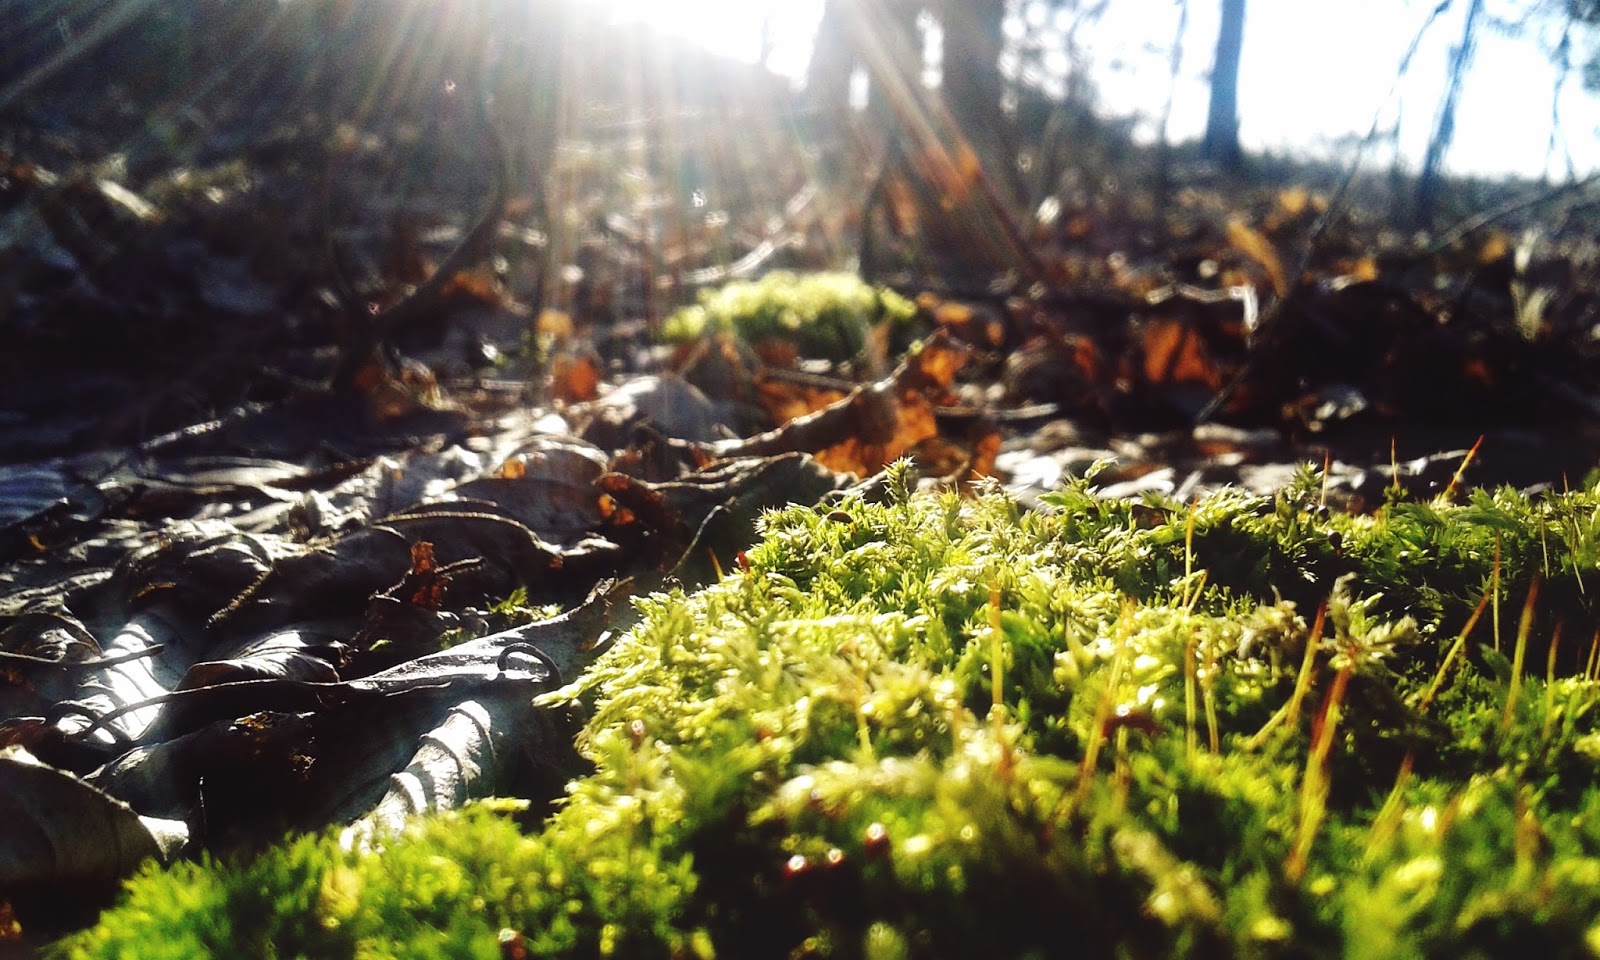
x=946 y=728
x=824 y=315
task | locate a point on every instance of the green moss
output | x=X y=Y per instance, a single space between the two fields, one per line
x=824 y=315
x=936 y=727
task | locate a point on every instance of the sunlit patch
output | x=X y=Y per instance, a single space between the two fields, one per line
x=776 y=32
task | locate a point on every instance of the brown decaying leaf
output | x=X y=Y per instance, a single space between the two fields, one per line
x=775 y=352
x=287 y=655
x=392 y=395
x=425 y=581
x=985 y=448
x=575 y=379
x=477 y=286
x=63 y=831
x=935 y=365
x=872 y=425
x=1174 y=353
x=786 y=400
x=890 y=424
x=968 y=324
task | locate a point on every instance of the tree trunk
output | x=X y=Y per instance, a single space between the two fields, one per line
x=973 y=36
x=828 y=74
x=1222 y=121
x=1439 y=144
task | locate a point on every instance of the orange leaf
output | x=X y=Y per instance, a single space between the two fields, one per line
x=891 y=425
x=937 y=363
x=555 y=324
x=953 y=176
x=984 y=452
x=575 y=379
x=1294 y=200
x=1253 y=244
x=777 y=353
x=952 y=314
x=973 y=326
x=1174 y=353
x=474 y=287
x=1362 y=270
x=902 y=205
x=784 y=401
x=514 y=468
x=1496 y=246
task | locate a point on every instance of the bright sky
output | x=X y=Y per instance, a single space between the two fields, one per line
x=1313 y=71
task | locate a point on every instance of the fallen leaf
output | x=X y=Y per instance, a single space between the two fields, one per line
x=575 y=379
x=1174 y=353
x=1255 y=245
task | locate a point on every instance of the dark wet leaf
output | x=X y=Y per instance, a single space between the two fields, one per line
x=62 y=831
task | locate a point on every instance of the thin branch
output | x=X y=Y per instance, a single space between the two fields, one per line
x=1513 y=206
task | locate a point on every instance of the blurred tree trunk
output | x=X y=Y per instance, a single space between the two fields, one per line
x=1439 y=144
x=1222 y=121
x=929 y=173
x=973 y=36
x=878 y=37
x=832 y=61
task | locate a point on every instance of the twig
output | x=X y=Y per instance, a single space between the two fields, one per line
x=28 y=660
x=1513 y=206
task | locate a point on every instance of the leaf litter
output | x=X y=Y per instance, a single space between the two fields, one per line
x=235 y=603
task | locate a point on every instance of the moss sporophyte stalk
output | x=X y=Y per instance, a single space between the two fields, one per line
x=954 y=728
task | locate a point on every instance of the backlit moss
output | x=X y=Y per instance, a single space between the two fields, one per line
x=937 y=727
x=824 y=315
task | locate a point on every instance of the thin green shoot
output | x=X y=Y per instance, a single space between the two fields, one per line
x=1494 y=579
x=1550 y=683
x=1208 y=699
x=1302 y=684
x=997 y=697
x=1290 y=711
x=1388 y=817
x=1190 y=656
x=1106 y=705
x=1452 y=653
x=1524 y=627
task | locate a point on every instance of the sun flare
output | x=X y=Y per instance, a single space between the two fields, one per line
x=778 y=31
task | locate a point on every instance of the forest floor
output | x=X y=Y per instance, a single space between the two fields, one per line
x=181 y=491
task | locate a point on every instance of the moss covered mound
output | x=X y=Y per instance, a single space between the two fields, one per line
x=823 y=315
x=944 y=728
